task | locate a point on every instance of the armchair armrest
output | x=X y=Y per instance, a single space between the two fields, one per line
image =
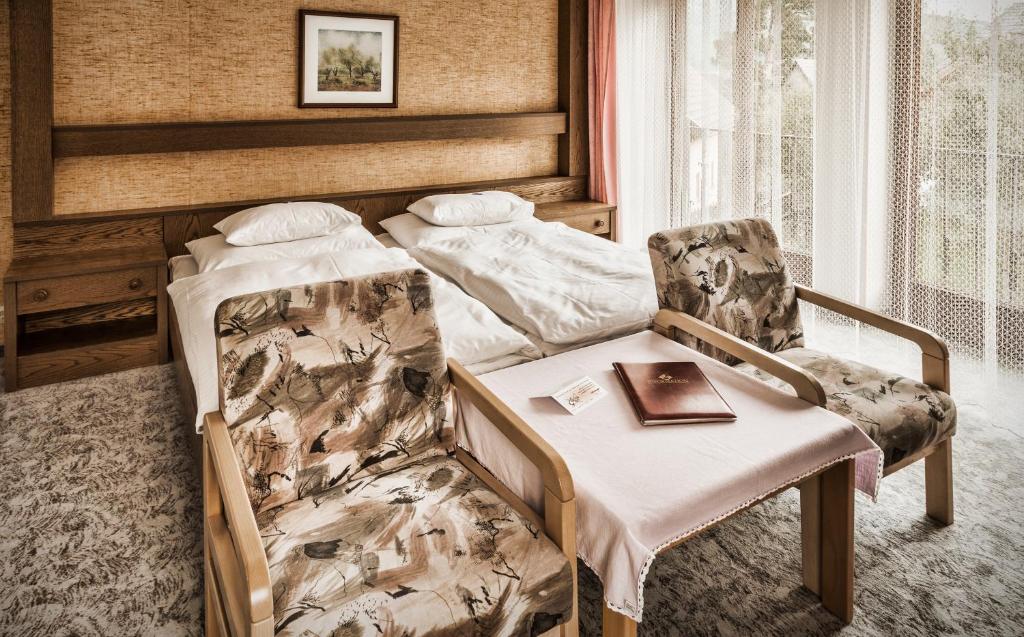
x=235 y=549
x=934 y=353
x=559 y=496
x=807 y=387
x=552 y=467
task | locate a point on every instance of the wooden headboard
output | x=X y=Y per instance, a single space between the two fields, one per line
x=175 y=227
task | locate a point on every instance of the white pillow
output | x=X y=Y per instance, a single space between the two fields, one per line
x=410 y=231
x=277 y=222
x=215 y=253
x=472 y=209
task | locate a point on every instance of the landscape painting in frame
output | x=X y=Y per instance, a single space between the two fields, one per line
x=347 y=60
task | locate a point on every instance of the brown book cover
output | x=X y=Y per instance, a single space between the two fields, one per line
x=672 y=393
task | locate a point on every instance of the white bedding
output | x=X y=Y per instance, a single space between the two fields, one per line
x=214 y=252
x=182 y=266
x=563 y=286
x=472 y=334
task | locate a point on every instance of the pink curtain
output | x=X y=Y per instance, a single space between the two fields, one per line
x=604 y=184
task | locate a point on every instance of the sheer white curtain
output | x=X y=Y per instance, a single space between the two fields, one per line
x=882 y=138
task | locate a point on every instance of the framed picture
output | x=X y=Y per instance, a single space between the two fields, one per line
x=347 y=59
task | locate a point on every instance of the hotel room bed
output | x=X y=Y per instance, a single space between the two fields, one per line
x=528 y=289
x=562 y=287
x=472 y=333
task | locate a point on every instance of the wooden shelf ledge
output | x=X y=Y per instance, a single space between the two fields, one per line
x=134 y=139
x=104 y=333
x=54 y=265
x=558 y=209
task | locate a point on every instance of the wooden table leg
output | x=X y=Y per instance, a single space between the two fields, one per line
x=616 y=625
x=837 y=485
x=810 y=532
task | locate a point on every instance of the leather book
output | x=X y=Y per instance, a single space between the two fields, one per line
x=672 y=393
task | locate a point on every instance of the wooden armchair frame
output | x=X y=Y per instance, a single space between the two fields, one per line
x=934 y=373
x=938 y=458
x=239 y=597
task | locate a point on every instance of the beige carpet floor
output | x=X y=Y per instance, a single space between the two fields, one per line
x=99 y=530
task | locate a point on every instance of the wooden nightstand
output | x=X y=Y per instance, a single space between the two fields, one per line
x=589 y=216
x=83 y=314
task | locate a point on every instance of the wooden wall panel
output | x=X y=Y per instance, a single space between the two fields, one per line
x=372 y=206
x=125 y=61
x=96 y=184
x=6 y=224
x=31 y=110
x=573 y=151
x=181 y=137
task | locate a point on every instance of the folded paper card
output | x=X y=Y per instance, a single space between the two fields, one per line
x=579 y=395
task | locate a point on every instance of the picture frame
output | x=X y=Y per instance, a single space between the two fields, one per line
x=347 y=60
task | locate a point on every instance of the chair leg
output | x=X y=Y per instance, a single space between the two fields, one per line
x=938 y=483
x=616 y=625
x=810 y=533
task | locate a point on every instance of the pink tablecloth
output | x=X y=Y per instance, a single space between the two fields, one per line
x=638 y=488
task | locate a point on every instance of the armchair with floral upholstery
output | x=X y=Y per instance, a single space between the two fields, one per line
x=725 y=290
x=334 y=503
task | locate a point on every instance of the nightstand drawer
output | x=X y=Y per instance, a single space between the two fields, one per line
x=593 y=222
x=60 y=293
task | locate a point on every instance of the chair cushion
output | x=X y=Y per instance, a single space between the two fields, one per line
x=732 y=275
x=902 y=415
x=330 y=383
x=427 y=549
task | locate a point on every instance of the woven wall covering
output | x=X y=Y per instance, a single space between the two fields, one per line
x=176 y=60
x=91 y=184
x=200 y=60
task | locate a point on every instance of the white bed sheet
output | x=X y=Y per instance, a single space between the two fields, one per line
x=182 y=266
x=638 y=489
x=563 y=286
x=387 y=240
x=472 y=334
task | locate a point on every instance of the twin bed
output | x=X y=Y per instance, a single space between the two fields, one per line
x=506 y=293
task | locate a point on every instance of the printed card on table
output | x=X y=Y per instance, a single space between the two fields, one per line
x=579 y=394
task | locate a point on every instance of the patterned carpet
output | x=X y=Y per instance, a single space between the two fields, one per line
x=99 y=529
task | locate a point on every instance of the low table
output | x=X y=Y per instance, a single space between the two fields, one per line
x=642 y=490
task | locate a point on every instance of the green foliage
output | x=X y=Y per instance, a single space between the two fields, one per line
x=960 y=80
x=348 y=69
x=797 y=35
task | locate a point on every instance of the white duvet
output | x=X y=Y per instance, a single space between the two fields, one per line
x=561 y=285
x=472 y=334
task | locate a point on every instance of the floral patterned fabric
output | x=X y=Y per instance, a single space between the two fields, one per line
x=329 y=384
x=335 y=399
x=425 y=550
x=732 y=275
x=901 y=415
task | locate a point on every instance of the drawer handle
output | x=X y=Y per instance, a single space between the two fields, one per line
x=40 y=295
x=599 y=223
x=135 y=284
